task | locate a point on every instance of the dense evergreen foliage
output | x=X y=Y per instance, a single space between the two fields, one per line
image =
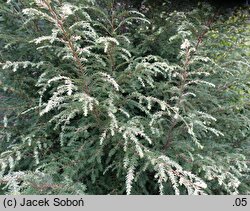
x=111 y=97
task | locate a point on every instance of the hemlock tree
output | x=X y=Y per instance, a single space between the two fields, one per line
x=90 y=105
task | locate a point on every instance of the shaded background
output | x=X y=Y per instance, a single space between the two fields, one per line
x=184 y=3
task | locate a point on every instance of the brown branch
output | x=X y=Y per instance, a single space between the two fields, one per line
x=189 y=56
x=169 y=139
x=67 y=39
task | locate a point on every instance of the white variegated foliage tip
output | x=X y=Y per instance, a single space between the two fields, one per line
x=108 y=78
x=185 y=44
x=11 y=162
x=5 y=121
x=67 y=9
x=106 y=41
x=129 y=179
x=41 y=3
x=103 y=136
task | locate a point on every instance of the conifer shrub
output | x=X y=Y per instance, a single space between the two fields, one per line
x=98 y=98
